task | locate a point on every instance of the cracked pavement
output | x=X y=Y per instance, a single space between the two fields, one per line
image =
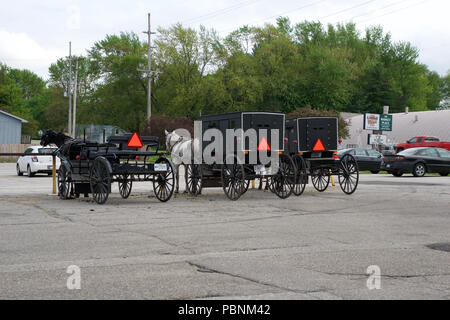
x=317 y=246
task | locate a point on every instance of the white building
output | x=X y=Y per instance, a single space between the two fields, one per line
x=404 y=126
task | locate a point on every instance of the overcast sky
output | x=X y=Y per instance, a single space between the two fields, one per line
x=34 y=34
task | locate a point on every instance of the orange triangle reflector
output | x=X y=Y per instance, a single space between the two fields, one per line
x=135 y=141
x=319 y=147
x=263 y=145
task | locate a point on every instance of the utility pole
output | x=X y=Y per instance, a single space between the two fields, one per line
x=75 y=101
x=69 y=89
x=149 y=71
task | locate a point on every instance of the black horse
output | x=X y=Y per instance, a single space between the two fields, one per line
x=65 y=143
x=53 y=137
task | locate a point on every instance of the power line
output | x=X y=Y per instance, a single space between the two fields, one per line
x=382 y=8
x=282 y=13
x=394 y=11
x=348 y=9
x=315 y=3
x=216 y=13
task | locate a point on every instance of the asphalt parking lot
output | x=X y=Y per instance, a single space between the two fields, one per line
x=317 y=246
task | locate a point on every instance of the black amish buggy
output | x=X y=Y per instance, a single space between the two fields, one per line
x=235 y=177
x=313 y=143
x=91 y=167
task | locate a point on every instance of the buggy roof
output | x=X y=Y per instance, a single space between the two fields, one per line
x=237 y=113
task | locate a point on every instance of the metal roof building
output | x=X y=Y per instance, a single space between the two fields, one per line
x=405 y=126
x=10 y=128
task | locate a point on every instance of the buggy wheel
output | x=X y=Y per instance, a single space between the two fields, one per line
x=164 y=181
x=100 y=180
x=246 y=186
x=125 y=185
x=320 y=178
x=348 y=174
x=282 y=183
x=64 y=183
x=194 y=179
x=233 y=180
x=302 y=175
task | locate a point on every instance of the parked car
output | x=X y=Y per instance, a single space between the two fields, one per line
x=426 y=142
x=419 y=161
x=36 y=164
x=387 y=150
x=367 y=159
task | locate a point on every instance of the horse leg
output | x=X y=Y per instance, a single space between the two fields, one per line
x=185 y=178
x=177 y=178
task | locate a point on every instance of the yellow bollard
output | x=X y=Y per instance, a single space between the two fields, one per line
x=332 y=179
x=54 y=174
x=253 y=184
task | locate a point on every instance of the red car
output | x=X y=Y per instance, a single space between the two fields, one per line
x=423 y=141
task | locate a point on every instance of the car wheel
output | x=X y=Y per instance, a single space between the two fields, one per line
x=397 y=174
x=419 y=170
x=19 y=173
x=375 y=172
x=30 y=174
x=444 y=174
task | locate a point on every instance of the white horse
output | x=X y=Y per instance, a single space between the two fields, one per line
x=181 y=150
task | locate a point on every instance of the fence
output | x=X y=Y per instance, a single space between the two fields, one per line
x=12 y=148
x=26 y=140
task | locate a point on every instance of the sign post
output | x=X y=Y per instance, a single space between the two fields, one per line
x=54 y=173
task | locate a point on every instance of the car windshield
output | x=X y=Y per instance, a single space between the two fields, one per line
x=47 y=150
x=408 y=152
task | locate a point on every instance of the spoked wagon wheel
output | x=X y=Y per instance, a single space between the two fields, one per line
x=233 y=180
x=246 y=186
x=125 y=185
x=302 y=175
x=100 y=180
x=320 y=178
x=164 y=181
x=348 y=174
x=194 y=179
x=64 y=183
x=282 y=183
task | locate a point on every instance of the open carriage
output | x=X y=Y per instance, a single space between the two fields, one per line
x=234 y=176
x=312 y=143
x=91 y=168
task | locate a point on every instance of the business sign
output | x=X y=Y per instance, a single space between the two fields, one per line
x=377 y=122
x=377 y=139
x=371 y=121
x=385 y=122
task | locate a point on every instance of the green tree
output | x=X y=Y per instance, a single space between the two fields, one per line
x=446 y=91
x=183 y=57
x=120 y=95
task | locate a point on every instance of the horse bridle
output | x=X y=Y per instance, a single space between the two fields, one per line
x=173 y=146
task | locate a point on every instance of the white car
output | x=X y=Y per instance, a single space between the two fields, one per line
x=37 y=164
